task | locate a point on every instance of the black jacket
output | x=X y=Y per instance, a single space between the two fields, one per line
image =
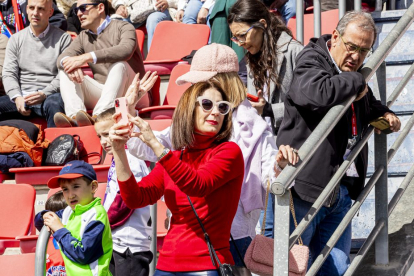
x=57 y=19
x=316 y=87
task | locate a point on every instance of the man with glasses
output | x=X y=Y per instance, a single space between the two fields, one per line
x=326 y=75
x=109 y=47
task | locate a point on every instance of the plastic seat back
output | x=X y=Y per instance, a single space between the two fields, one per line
x=159 y=125
x=329 y=20
x=161 y=216
x=16 y=210
x=87 y=136
x=17 y=265
x=140 y=40
x=175 y=91
x=173 y=41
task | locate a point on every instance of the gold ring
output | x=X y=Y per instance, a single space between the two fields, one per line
x=295 y=150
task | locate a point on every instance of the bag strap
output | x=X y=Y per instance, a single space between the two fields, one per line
x=292 y=210
x=211 y=249
x=237 y=250
x=265 y=209
x=93 y=153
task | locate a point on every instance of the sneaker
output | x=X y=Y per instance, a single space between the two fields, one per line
x=84 y=119
x=61 y=120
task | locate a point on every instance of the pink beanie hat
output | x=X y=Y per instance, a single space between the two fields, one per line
x=208 y=61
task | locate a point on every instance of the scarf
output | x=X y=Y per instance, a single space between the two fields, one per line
x=249 y=139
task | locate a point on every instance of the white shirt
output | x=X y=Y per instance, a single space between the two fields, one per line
x=135 y=234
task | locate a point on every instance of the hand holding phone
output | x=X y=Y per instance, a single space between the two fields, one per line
x=121 y=107
x=382 y=124
x=252 y=98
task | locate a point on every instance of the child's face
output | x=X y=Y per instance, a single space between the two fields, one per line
x=77 y=191
x=102 y=130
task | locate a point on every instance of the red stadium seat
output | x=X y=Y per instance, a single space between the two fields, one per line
x=172 y=97
x=17 y=265
x=140 y=40
x=171 y=42
x=92 y=146
x=161 y=230
x=160 y=124
x=329 y=21
x=16 y=214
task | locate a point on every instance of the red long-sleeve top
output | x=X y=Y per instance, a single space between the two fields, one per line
x=212 y=176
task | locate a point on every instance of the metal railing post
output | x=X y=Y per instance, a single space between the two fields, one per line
x=153 y=212
x=281 y=237
x=342 y=8
x=381 y=189
x=299 y=21
x=40 y=255
x=357 y=5
x=317 y=18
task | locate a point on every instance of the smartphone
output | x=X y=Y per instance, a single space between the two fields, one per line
x=382 y=124
x=121 y=107
x=252 y=98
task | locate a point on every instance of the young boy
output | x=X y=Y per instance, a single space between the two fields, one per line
x=82 y=229
x=131 y=229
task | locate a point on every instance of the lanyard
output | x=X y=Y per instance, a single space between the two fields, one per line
x=354 y=123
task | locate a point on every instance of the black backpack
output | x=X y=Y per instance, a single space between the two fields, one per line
x=63 y=149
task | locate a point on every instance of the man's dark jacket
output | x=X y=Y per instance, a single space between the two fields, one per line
x=316 y=87
x=57 y=19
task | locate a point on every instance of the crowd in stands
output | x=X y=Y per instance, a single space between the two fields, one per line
x=256 y=95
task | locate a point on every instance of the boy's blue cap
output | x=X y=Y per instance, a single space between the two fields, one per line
x=73 y=169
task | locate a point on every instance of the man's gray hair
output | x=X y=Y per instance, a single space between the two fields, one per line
x=362 y=19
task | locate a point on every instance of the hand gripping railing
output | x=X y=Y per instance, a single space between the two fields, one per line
x=280 y=186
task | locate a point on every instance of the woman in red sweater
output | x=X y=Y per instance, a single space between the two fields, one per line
x=209 y=169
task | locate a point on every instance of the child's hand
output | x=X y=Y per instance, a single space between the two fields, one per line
x=52 y=221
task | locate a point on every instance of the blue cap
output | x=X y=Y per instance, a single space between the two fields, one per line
x=73 y=169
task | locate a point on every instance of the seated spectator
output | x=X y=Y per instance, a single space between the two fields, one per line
x=131 y=228
x=30 y=74
x=194 y=11
x=54 y=260
x=109 y=48
x=81 y=229
x=11 y=23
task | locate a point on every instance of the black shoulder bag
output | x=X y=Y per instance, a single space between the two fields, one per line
x=224 y=269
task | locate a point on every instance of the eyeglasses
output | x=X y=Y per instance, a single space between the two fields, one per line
x=352 y=48
x=82 y=7
x=207 y=105
x=241 y=38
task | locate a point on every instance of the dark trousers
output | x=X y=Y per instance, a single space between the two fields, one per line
x=130 y=264
x=47 y=109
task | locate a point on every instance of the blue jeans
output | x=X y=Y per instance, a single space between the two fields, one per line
x=152 y=22
x=288 y=10
x=270 y=208
x=242 y=245
x=191 y=12
x=47 y=109
x=321 y=229
x=195 y=273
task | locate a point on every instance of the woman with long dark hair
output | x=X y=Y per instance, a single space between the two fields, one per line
x=271 y=54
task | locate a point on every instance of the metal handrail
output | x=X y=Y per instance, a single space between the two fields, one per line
x=345 y=165
x=281 y=186
x=40 y=255
x=313 y=142
x=408 y=180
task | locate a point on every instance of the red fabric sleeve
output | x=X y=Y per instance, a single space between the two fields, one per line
x=118 y=212
x=216 y=172
x=146 y=192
